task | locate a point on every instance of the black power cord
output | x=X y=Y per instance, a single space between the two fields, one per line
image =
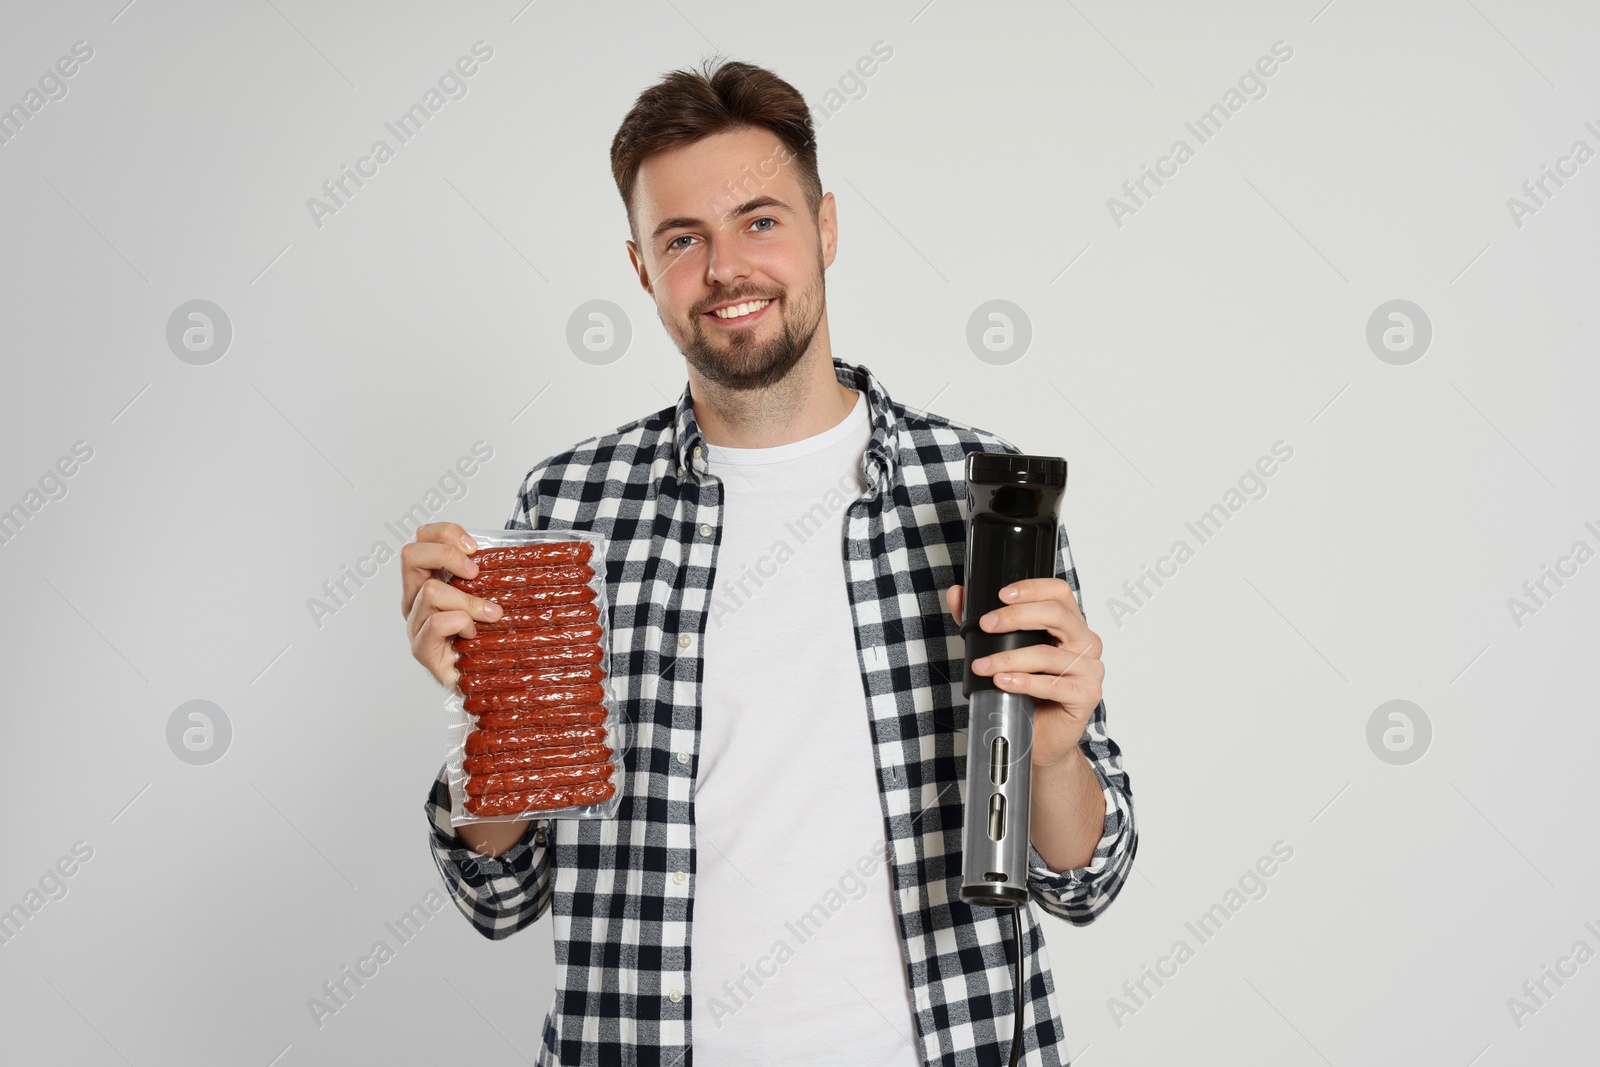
x=1017 y=988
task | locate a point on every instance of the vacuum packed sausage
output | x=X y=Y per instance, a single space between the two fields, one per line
x=564 y=615
x=527 y=781
x=526 y=658
x=536 y=555
x=532 y=759
x=487 y=583
x=542 y=637
x=480 y=742
x=555 y=696
x=540 y=799
x=531 y=680
x=567 y=715
x=543 y=596
x=535 y=678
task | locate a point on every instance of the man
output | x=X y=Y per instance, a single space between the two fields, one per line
x=785 y=549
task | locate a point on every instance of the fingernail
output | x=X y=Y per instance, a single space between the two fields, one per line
x=981 y=663
x=468 y=544
x=1010 y=593
x=987 y=620
x=493 y=610
x=1002 y=679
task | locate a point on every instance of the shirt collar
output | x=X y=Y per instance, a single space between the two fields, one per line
x=881 y=454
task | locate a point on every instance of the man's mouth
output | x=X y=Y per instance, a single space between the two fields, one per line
x=739 y=314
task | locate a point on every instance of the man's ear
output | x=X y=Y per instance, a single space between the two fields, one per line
x=639 y=268
x=828 y=228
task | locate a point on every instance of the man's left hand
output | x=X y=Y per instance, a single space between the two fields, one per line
x=1064 y=678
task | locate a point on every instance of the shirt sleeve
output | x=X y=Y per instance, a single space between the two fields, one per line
x=1081 y=894
x=498 y=895
x=502 y=894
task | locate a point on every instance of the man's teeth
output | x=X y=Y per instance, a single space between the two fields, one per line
x=740 y=309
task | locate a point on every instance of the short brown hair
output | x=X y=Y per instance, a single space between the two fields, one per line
x=688 y=105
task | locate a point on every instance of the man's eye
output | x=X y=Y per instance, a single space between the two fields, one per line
x=764 y=218
x=674 y=246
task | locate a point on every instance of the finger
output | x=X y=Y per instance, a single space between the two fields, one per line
x=439 y=596
x=421 y=560
x=1033 y=589
x=1040 y=659
x=1048 y=615
x=436 y=595
x=422 y=557
x=1071 y=688
x=953 y=599
x=1052 y=616
x=447 y=533
x=434 y=645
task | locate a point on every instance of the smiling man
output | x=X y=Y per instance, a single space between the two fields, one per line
x=781 y=883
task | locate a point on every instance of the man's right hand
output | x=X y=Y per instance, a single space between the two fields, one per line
x=435 y=610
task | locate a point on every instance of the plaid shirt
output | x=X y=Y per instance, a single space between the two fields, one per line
x=622 y=889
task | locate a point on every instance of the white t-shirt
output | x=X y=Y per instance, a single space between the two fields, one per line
x=796 y=953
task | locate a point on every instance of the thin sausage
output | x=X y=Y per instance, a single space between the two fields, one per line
x=541 y=799
x=568 y=715
x=533 y=555
x=481 y=742
x=544 y=596
x=526 y=658
x=548 y=778
x=488 y=583
x=536 y=678
x=533 y=759
x=565 y=615
x=555 y=696
x=542 y=637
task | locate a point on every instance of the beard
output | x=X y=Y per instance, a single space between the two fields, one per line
x=737 y=361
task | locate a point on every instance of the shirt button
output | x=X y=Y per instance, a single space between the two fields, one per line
x=676 y=995
x=696 y=451
x=680 y=877
x=684 y=640
x=683 y=757
x=680 y=472
x=705 y=529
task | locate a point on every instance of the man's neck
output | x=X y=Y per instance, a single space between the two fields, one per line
x=810 y=400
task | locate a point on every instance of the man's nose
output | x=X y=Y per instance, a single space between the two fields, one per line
x=726 y=263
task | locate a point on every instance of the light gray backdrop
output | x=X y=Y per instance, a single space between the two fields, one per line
x=1174 y=341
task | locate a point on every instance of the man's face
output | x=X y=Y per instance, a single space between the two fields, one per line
x=722 y=223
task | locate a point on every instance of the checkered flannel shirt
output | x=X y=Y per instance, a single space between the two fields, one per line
x=624 y=984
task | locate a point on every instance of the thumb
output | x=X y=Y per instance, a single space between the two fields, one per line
x=955 y=598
